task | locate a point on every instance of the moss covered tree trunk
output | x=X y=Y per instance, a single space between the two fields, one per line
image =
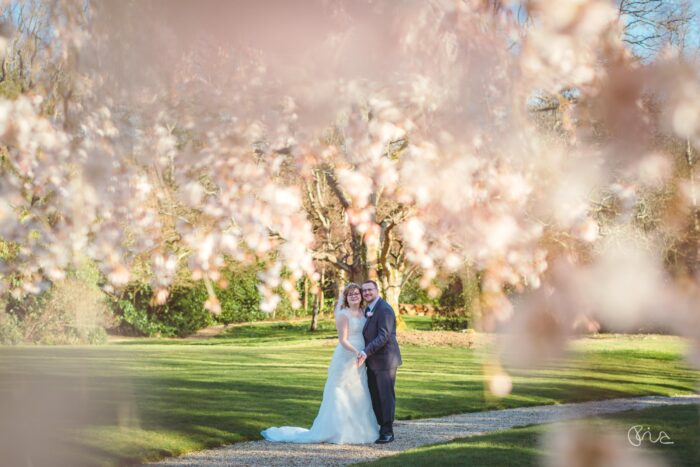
x=471 y=289
x=391 y=280
x=314 y=315
x=318 y=303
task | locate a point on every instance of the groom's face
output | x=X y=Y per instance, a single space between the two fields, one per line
x=369 y=292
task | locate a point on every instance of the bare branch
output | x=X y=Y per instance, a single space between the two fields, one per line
x=333 y=184
x=332 y=259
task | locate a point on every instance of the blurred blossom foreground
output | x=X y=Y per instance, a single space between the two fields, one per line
x=544 y=150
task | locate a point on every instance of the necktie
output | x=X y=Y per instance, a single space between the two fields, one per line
x=367 y=311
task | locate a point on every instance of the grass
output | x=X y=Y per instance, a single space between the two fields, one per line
x=524 y=446
x=280 y=331
x=257 y=333
x=417 y=323
x=144 y=399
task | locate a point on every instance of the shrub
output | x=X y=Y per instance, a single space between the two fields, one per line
x=28 y=311
x=11 y=332
x=71 y=311
x=139 y=316
x=413 y=294
x=457 y=306
x=135 y=312
x=181 y=315
x=240 y=301
x=453 y=321
x=453 y=315
x=284 y=309
x=452 y=293
x=184 y=313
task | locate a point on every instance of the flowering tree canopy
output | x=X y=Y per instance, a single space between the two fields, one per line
x=517 y=139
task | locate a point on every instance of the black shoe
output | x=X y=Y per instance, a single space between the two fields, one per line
x=383 y=439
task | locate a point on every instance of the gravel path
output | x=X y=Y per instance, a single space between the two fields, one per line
x=411 y=434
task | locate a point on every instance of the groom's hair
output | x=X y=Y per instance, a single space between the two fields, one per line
x=370 y=281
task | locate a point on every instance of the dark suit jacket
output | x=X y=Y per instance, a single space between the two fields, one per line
x=381 y=346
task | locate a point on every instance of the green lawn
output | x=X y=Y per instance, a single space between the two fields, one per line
x=523 y=446
x=145 y=399
x=257 y=333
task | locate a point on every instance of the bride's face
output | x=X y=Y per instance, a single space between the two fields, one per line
x=354 y=297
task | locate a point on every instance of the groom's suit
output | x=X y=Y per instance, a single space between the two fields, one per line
x=383 y=358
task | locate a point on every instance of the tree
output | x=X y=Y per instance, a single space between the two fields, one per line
x=651 y=25
x=346 y=244
x=183 y=148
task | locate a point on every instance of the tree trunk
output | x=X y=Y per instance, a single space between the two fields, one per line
x=357 y=275
x=314 y=316
x=391 y=281
x=372 y=267
x=339 y=287
x=692 y=263
x=472 y=297
x=318 y=302
x=358 y=268
x=320 y=291
x=690 y=157
x=391 y=287
x=306 y=295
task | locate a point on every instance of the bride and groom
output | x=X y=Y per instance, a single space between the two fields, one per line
x=358 y=399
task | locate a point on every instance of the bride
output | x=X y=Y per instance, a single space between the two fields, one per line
x=346 y=414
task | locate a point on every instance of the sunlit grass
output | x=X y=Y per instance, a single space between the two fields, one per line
x=523 y=446
x=149 y=399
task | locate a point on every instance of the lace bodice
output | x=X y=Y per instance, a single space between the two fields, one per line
x=355 y=324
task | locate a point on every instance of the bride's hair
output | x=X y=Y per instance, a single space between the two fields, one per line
x=343 y=302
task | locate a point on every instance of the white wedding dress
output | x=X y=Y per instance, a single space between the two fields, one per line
x=346 y=415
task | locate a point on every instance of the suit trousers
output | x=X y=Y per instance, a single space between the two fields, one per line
x=381 y=389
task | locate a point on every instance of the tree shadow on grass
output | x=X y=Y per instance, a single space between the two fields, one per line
x=154 y=402
x=199 y=414
x=119 y=414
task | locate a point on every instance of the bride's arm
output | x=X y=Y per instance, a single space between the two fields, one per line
x=342 y=323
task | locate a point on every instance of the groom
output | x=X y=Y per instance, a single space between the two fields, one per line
x=383 y=358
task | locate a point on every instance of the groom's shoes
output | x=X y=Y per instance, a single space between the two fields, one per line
x=383 y=439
